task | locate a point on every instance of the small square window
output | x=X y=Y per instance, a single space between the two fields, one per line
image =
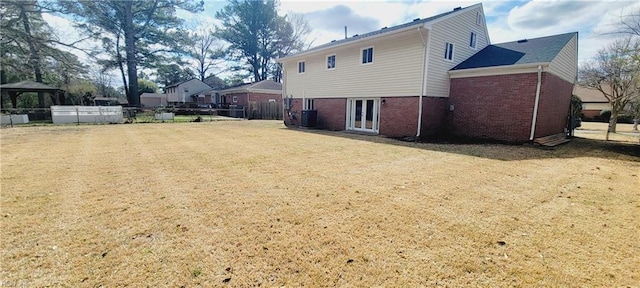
x=301 y=67
x=472 y=40
x=367 y=55
x=308 y=104
x=448 y=51
x=331 y=62
x=235 y=99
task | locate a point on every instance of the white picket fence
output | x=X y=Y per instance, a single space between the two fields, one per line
x=86 y=114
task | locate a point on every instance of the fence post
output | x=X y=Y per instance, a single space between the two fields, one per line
x=77 y=115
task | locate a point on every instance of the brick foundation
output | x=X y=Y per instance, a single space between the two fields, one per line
x=398 y=115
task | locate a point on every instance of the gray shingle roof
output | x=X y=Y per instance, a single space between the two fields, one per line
x=384 y=30
x=28 y=85
x=538 y=50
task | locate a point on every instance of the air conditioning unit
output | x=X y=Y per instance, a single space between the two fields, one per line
x=309 y=118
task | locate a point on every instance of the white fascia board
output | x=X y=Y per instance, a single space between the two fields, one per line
x=499 y=70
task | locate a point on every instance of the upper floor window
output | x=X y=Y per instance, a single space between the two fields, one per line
x=331 y=62
x=478 y=18
x=367 y=55
x=301 y=67
x=472 y=40
x=448 y=51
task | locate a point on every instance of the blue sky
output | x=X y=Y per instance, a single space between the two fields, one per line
x=506 y=20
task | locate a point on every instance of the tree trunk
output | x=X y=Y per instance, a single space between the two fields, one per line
x=613 y=121
x=130 y=42
x=35 y=55
x=119 y=59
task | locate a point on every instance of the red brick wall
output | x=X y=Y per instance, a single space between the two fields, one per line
x=590 y=114
x=331 y=113
x=500 y=107
x=264 y=97
x=553 y=107
x=398 y=115
x=292 y=116
x=258 y=97
x=242 y=98
x=434 y=114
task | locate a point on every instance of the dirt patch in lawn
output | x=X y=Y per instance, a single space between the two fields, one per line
x=251 y=203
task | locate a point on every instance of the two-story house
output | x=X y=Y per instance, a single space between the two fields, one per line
x=396 y=81
x=185 y=92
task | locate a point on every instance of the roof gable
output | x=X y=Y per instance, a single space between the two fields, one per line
x=538 y=50
x=180 y=83
x=384 y=30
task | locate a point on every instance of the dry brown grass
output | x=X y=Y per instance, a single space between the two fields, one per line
x=252 y=203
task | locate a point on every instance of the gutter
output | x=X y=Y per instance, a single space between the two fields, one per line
x=535 y=105
x=424 y=75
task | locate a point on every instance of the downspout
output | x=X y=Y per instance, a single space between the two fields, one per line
x=535 y=105
x=423 y=80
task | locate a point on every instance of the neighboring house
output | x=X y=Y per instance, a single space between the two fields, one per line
x=153 y=100
x=263 y=91
x=432 y=75
x=185 y=92
x=208 y=98
x=593 y=101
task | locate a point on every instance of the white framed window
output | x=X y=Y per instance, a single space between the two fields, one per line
x=478 y=18
x=367 y=55
x=301 y=67
x=472 y=40
x=448 y=51
x=331 y=62
x=235 y=99
x=308 y=104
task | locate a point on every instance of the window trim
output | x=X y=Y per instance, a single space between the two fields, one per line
x=372 y=55
x=327 y=62
x=235 y=99
x=448 y=51
x=304 y=66
x=478 y=18
x=308 y=104
x=473 y=39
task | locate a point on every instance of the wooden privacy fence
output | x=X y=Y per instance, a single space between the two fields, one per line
x=264 y=110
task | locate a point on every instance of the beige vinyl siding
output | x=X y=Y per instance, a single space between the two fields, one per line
x=596 y=106
x=456 y=30
x=565 y=63
x=395 y=71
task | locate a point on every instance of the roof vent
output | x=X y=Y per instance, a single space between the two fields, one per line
x=457 y=8
x=355 y=35
x=523 y=41
x=414 y=20
x=385 y=27
x=333 y=41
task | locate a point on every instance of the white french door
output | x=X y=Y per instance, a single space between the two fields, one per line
x=363 y=114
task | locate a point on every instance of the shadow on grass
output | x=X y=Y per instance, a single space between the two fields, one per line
x=578 y=147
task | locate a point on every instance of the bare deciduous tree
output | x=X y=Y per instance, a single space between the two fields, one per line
x=615 y=72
